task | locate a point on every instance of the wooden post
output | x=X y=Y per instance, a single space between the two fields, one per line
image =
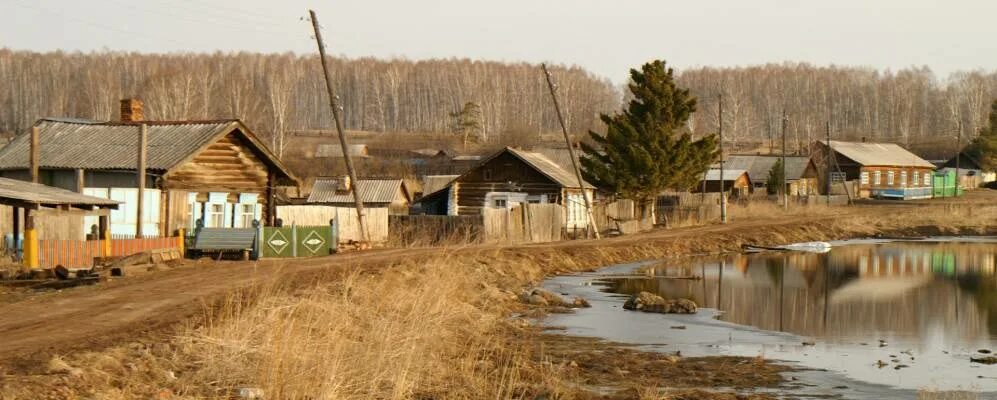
x=958 y=156
x=34 y=154
x=30 y=260
x=785 y=192
x=571 y=152
x=16 y=227
x=723 y=194
x=827 y=128
x=143 y=137
x=181 y=236
x=80 y=180
x=104 y=233
x=333 y=102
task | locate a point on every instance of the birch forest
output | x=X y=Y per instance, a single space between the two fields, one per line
x=277 y=94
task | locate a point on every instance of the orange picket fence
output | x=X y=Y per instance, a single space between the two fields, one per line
x=81 y=253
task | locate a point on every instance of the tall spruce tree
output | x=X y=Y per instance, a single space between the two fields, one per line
x=983 y=148
x=645 y=148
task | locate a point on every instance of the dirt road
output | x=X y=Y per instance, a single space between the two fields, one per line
x=92 y=318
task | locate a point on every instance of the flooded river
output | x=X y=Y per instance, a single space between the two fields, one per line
x=870 y=319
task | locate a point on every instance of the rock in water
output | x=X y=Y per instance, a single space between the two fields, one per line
x=644 y=300
x=989 y=360
x=650 y=302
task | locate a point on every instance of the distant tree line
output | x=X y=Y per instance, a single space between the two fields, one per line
x=911 y=106
x=279 y=93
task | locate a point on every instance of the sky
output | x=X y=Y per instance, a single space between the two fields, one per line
x=606 y=37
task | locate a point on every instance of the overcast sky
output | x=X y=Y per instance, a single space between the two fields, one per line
x=606 y=37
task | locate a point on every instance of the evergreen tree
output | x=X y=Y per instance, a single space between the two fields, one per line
x=983 y=148
x=777 y=180
x=645 y=149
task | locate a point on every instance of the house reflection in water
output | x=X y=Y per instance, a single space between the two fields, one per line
x=942 y=290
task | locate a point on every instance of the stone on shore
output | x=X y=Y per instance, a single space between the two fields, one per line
x=650 y=302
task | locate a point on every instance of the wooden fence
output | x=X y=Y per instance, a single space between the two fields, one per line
x=528 y=223
x=376 y=219
x=81 y=253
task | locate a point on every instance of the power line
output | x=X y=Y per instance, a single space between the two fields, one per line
x=96 y=24
x=199 y=19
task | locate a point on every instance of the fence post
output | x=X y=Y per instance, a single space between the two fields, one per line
x=257 y=250
x=294 y=240
x=180 y=242
x=333 y=236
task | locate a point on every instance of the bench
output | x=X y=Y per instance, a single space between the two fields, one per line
x=222 y=240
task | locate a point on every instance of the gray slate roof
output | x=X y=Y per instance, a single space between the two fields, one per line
x=15 y=191
x=85 y=144
x=879 y=154
x=758 y=166
x=729 y=174
x=549 y=168
x=326 y=190
x=432 y=183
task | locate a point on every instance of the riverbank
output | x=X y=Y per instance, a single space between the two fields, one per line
x=416 y=323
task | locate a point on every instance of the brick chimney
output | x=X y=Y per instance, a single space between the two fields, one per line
x=131 y=110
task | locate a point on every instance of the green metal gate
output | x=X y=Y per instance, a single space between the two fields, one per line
x=298 y=241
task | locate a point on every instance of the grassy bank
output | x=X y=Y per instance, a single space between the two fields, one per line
x=449 y=326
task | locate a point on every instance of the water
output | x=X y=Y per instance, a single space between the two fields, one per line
x=927 y=305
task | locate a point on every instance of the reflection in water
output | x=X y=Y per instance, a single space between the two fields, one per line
x=911 y=290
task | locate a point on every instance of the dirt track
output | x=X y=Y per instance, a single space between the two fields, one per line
x=94 y=317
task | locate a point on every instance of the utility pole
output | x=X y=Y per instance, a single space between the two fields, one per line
x=958 y=156
x=143 y=137
x=723 y=194
x=785 y=193
x=333 y=103
x=571 y=151
x=827 y=196
x=35 y=154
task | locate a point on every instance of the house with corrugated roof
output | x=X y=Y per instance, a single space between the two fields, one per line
x=881 y=170
x=374 y=193
x=214 y=171
x=508 y=178
x=801 y=173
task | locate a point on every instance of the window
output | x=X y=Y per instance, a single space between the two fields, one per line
x=865 y=178
x=215 y=217
x=877 y=177
x=903 y=178
x=246 y=213
x=889 y=178
x=500 y=203
x=916 y=179
x=927 y=179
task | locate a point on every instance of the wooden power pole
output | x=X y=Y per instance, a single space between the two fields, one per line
x=827 y=187
x=143 y=138
x=958 y=156
x=34 y=157
x=785 y=192
x=723 y=193
x=571 y=151
x=333 y=102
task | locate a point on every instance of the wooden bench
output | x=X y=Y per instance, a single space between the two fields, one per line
x=222 y=240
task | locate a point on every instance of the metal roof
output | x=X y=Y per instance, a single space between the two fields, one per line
x=559 y=156
x=758 y=166
x=432 y=183
x=879 y=154
x=549 y=168
x=75 y=144
x=15 y=192
x=729 y=174
x=326 y=190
